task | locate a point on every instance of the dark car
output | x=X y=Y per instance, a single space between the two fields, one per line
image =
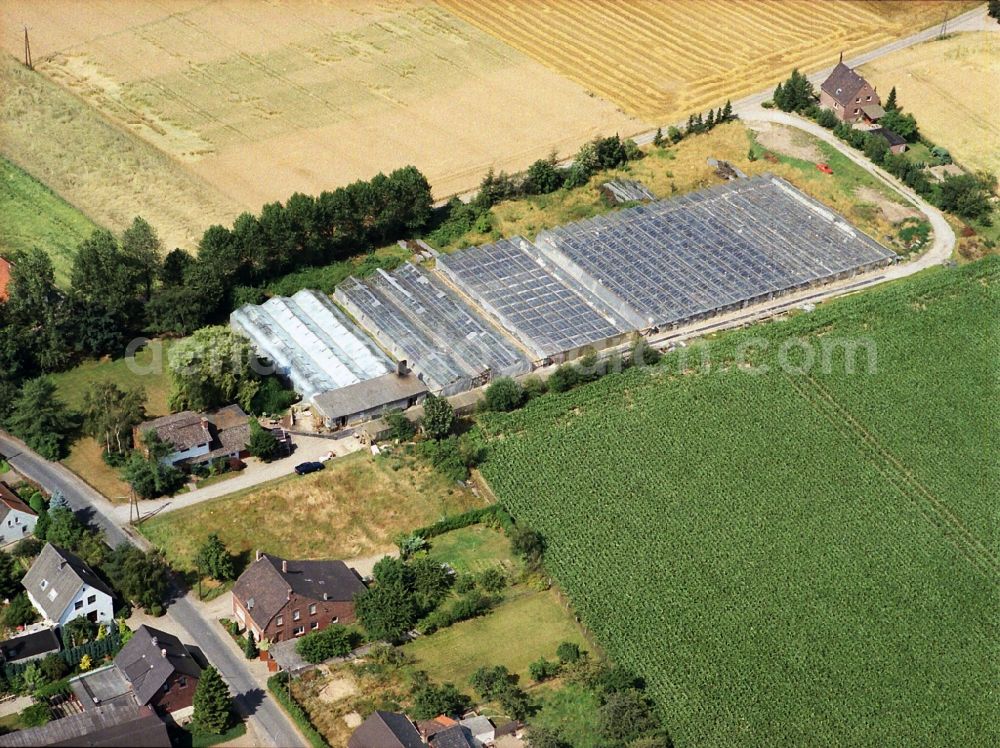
x=308 y=467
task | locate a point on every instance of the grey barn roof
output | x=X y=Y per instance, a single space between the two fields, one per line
x=386 y=730
x=150 y=658
x=30 y=645
x=63 y=572
x=843 y=83
x=263 y=588
x=368 y=395
x=125 y=726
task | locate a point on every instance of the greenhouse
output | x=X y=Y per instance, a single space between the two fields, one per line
x=417 y=317
x=314 y=345
x=678 y=260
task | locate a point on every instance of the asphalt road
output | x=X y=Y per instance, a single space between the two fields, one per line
x=269 y=721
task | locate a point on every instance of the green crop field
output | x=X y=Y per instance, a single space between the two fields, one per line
x=32 y=215
x=788 y=558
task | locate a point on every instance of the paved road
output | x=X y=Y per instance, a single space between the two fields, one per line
x=269 y=721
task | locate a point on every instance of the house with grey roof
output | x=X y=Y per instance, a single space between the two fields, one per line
x=280 y=599
x=17 y=519
x=386 y=730
x=153 y=669
x=200 y=437
x=62 y=587
x=27 y=647
x=849 y=96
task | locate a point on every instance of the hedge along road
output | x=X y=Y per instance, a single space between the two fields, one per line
x=269 y=721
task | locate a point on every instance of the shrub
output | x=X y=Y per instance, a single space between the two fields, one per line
x=563 y=378
x=27 y=548
x=542 y=669
x=35 y=715
x=54 y=667
x=492 y=579
x=826 y=118
x=504 y=395
x=534 y=386
x=528 y=544
x=430 y=700
x=401 y=428
x=320 y=646
x=439 y=417
x=568 y=653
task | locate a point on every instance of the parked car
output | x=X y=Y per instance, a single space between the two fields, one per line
x=305 y=468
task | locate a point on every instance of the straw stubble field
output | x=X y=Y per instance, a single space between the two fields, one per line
x=661 y=60
x=265 y=99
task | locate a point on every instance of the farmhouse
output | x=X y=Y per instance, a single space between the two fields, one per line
x=850 y=96
x=386 y=730
x=278 y=599
x=199 y=438
x=17 y=519
x=62 y=587
x=153 y=669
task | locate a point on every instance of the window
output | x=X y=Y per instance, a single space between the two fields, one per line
x=299 y=630
x=868 y=98
x=92 y=599
x=857 y=100
x=182 y=681
x=856 y=110
x=53 y=593
x=334 y=619
x=312 y=609
x=166 y=686
x=296 y=615
x=9 y=523
x=314 y=625
x=279 y=620
x=44 y=583
x=78 y=604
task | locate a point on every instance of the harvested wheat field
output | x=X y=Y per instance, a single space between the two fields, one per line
x=105 y=172
x=263 y=99
x=661 y=60
x=952 y=87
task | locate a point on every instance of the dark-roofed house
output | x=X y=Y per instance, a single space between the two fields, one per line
x=62 y=587
x=160 y=669
x=897 y=143
x=28 y=647
x=197 y=437
x=850 y=96
x=386 y=730
x=113 y=726
x=279 y=599
x=451 y=737
x=17 y=519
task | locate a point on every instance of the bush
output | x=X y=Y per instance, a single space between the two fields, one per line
x=429 y=701
x=568 y=653
x=272 y=397
x=534 y=386
x=401 y=428
x=54 y=667
x=504 y=395
x=469 y=605
x=27 y=548
x=542 y=669
x=35 y=715
x=492 y=579
x=826 y=118
x=263 y=445
x=20 y=612
x=439 y=417
x=563 y=378
x=528 y=544
x=320 y=646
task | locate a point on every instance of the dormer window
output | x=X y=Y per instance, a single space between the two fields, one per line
x=44 y=583
x=857 y=100
x=868 y=98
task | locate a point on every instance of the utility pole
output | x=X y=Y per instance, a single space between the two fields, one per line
x=27 y=51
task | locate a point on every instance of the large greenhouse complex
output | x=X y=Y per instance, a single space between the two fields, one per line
x=503 y=308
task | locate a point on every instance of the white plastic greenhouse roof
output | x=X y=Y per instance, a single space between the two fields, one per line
x=311 y=342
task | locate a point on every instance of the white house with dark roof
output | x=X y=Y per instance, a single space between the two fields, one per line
x=62 y=587
x=17 y=519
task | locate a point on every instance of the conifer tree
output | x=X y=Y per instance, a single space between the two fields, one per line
x=212 y=702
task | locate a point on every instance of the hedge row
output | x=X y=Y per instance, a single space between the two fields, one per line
x=276 y=685
x=472 y=517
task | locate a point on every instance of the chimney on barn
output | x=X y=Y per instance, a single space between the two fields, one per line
x=163 y=653
x=401 y=368
x=260 y=555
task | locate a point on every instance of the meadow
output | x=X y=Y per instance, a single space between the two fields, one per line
x=952 y=87
x=355 y=507
x=262 y=100
x=661 y=61
x=31 y=215
x=787 y=557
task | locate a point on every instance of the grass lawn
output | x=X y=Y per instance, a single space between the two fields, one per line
x=355 y=507
x=472 y=549
x=572 y=713
x=184 y=737
x=525 y=626
x=86 y=461
x=151 y=374
x=10 y=723
x=32 y=215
